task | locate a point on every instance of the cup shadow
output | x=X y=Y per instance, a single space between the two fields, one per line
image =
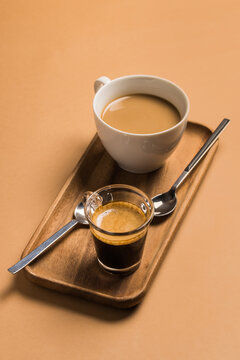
x=7 y=291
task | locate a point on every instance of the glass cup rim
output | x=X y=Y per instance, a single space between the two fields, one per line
x=134 y=189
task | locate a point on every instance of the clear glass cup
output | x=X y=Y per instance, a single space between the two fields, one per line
x=119 y=252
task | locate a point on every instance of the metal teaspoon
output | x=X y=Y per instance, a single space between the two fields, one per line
x=165 y=203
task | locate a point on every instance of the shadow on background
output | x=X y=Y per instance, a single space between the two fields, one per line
x=7 y=291
x=75 y=304
x=20 y=283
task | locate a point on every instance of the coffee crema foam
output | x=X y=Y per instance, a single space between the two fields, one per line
x=118 y=217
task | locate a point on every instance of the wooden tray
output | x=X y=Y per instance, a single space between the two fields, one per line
x=71 y=265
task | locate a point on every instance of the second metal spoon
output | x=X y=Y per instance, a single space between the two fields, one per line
x=165 y=203
x=79 y=219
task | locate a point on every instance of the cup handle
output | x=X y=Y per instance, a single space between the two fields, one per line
x=101 y=81
x=85 y=196
x=96 y=200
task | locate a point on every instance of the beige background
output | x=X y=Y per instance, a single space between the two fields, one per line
x=50 y=54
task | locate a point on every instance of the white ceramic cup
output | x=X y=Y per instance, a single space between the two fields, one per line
x=139 y=153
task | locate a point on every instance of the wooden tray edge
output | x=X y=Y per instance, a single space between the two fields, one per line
x=117 y=302
x=87 y=294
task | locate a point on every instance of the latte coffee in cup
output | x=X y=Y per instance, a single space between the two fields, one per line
x=140 y=114
x=155 y=112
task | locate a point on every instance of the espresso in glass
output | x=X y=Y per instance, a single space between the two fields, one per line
x=119 y=219
x=140 y=114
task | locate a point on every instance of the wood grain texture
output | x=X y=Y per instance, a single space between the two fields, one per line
x=71 y=265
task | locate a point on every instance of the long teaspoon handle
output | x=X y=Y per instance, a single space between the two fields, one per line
x=204 y=149
x=42 y=247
